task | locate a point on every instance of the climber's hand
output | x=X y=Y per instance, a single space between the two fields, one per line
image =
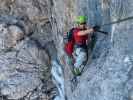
x=96 y=28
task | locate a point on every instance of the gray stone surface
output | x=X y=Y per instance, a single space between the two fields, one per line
x=24 y=61
x=22 y=70
x=108 y=76
x=27 y=28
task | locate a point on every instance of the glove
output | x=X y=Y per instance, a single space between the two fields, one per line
x=96 y=28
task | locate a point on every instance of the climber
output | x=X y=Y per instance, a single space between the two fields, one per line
x=80 y=37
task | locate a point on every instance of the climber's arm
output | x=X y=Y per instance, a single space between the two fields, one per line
x=85 y=32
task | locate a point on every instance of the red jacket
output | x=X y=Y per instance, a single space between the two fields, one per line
x=80 y=40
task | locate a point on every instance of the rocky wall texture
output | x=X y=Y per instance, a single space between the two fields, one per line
x=25 y=35
x=32 y=30
x=108 y=74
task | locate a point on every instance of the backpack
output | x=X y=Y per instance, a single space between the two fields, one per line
x=69 y=42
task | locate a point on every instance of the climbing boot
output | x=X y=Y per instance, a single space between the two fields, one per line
x=76 y=71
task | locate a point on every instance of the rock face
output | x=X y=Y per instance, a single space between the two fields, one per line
x=25 y=32
x=30 y=30
x=108 y=76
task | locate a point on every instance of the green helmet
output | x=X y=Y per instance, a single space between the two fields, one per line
x=81 y=19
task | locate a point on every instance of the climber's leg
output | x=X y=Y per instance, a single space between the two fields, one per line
x=80 y=59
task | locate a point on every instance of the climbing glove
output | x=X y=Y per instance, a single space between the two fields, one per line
x=96 y=28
